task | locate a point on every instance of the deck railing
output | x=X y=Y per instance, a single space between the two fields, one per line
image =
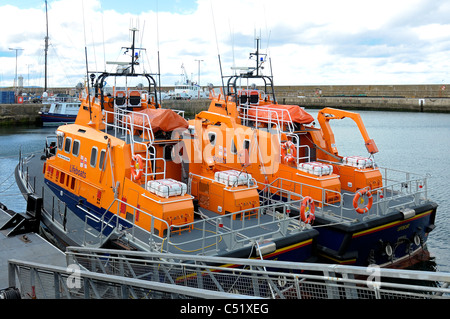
x=400 y=190
x=211 y=231
x=263 y=114
x=140 y=136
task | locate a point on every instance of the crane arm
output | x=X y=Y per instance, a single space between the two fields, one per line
x=327 y=114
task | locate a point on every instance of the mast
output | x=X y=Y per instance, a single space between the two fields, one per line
x=257 y=54
x=46 y=47
x=134 y=54
x=133 y=62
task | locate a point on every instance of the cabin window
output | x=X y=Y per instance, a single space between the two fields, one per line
x=67 y=145
x=62 y=177
x=60 y=141
x=76 y=148
x=247 y=145
x=212 y=138
x=101 y=164
x=168 y=152
x=233 y=147
x=72 y=184
x=94 y=156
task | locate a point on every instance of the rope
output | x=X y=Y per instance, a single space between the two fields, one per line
x=12 y=184
x=321 y=149
x=23 y=155
x=7 y=178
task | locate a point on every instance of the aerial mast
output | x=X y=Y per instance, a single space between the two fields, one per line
x=46 y=47
x=133 y=62
x=257 y=54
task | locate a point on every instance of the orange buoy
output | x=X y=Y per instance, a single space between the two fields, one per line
x=137 y=167
x=288 y=151
x=359 y=197
x=307 y=210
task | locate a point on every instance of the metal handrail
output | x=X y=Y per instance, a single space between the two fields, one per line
x=124 y=124
x=231 y=235
x=381 y=204
x=386 y=194
x=289 y=280
x=104 y=222
x=296 y=140
x=291 y=194
x=92 y=284
x=272 y=117
x=281 y=222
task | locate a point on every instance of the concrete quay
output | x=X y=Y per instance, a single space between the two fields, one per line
x=19 y=114
x=386 y=91
x=372 y=103
x=408 y=98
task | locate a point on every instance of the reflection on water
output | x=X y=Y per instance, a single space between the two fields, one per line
x=13 y=141
x=414 y=142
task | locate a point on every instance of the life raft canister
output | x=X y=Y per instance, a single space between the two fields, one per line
x=137 y=167
x=307 y=210
x=288 y=152
x=359 y=198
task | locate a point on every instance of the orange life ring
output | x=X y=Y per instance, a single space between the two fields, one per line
x=288 y=151
x=358 y=196
x=307 y=208
x=137 y=168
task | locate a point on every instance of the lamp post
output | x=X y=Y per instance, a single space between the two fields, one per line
x=15 y=78
x=198 y=96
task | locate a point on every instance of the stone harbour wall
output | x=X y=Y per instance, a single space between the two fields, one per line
x=408 y=98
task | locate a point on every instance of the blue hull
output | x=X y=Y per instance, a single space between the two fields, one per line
x=383 y=241
x=54 y=118
x=365 y=243
x=73 y=202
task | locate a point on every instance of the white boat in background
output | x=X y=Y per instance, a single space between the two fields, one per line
x=186 y=89
x=59 y=109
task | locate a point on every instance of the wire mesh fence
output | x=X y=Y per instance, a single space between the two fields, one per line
x=117 y=274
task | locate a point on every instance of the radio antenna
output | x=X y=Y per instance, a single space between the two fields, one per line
x=87 y=66
x=218 y=54
x=157 y=41
x=46 y=47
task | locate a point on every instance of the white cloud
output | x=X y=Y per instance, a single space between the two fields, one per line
x=309 y=42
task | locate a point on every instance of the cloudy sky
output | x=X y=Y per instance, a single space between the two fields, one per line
x=309 y=42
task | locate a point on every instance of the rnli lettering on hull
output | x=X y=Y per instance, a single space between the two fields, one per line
x=76 y=171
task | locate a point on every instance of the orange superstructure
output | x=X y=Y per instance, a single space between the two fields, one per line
x=286 y=151
x=108 y=159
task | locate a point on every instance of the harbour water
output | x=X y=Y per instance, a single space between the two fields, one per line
x=414 y=142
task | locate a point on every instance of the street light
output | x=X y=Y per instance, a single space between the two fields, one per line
x=199 y=76
x=15 y=78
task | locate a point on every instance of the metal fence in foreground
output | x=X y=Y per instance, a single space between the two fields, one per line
x=117 y=274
